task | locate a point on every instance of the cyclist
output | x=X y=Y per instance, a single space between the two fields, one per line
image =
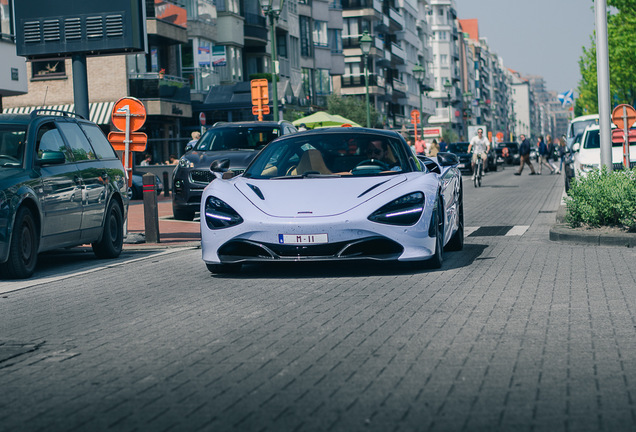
x=480 y=148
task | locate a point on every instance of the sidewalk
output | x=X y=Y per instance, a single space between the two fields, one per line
x=172 y=233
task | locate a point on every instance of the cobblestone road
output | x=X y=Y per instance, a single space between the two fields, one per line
x=514 y=333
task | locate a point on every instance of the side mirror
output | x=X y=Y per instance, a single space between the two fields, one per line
x=576 y=147
x=447 y=159
x=220 y=165
x=188 y=147
x=51 y=158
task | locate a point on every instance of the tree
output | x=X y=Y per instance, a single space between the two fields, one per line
x=621 y=34
x=353 y=108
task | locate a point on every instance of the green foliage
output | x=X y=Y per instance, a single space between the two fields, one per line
x=450 y=136
x=262 y=75
x=353 y=108
x=603 y=198
x=621 y=33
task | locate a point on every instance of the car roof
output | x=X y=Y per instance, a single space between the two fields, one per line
x=252 y=123
x=15 y=119
x=350 y=131
x=585 y=118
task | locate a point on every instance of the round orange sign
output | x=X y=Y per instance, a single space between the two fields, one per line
x=622 y=114
x=137 y=112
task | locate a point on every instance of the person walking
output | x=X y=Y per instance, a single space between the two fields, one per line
x=420 y=146
x=524 y=155
x=433 y=149
x=563 y=150
x=543 y=155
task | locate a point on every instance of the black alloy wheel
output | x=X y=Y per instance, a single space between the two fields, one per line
x=112 y=241
x=23 y=249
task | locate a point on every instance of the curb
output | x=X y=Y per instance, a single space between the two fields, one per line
x=561 y=232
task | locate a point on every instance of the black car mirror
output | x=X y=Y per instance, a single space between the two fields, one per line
x=447 y=159
x=51 y=158
x=188 y=147
x=220 y=165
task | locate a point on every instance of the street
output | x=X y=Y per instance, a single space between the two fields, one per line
x=515 y=332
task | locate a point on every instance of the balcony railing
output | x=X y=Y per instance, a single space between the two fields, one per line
x=399 y=86
x=155 y=86
x=201 y=79
x=358 y=80
x=397 y=51
x=397 y=17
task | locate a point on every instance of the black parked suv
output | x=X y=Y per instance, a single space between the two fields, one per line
x=237 y=142
x=61 y=185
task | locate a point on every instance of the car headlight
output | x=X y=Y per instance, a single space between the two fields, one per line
x=588 y=167
x=405 y=210
x=185 y=163
x=218 y=214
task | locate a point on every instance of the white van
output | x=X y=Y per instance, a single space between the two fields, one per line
x=587 y=152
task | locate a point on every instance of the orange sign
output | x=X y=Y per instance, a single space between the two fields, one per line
x=137 y=113
x=138 y=141
x=622 y=114
x=260 y=93
x=256 y=110
x=415 y=116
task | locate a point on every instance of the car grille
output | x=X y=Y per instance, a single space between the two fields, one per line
x=379 y=248
x=619 y=165
x=201 y=176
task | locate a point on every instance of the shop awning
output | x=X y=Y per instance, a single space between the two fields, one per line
x=99 y=111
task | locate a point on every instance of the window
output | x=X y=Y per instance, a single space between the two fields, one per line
x=80 y=146
x=323 y=82
x=443 y=59
x=281 y=46
x=305 y=36
x=320 y=33
x=335 y=40
x=45 y=69
x=102 y=147
x=294 y=48
x=49 y=139
x=307 y=84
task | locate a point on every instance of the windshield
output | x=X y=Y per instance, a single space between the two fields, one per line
x=237 y=138
x=331 y=154
x=578 y=127
x=12 y=139
x=460 y=147
x=593 y=140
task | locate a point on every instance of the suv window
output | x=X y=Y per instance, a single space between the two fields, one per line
x=80 y=146
x=232 y=138
x=50 y=139
x=103 y=149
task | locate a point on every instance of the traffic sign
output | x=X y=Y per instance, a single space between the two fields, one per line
x=137 y=114
x=256 y=110
x=260 y=92
x=138 y=141
x=202 y=118
x=624 y=116
x=415 y=116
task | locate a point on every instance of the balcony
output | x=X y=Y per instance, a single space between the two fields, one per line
x=153 y=86
x=358 y=80
x=398 y=52
x=200 y=79
x=396 y=20
x=166 y=21
x=255 y=28
x=399 y=86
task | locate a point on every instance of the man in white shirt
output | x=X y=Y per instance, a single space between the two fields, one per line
x=480 y=146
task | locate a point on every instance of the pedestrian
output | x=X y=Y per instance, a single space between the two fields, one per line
x=543 y=155
x=172 y=160
x=433 y=149
x=524 y=155
x=420 y=146
x=551 y=152
x=442 y=145
x=147 y=160
x=563 y=150
x=302 y=127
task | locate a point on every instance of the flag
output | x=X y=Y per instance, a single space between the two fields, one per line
x=566 y=98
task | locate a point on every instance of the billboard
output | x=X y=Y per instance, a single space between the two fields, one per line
x=46 y=28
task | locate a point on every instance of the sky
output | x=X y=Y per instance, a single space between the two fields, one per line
x=536 y=37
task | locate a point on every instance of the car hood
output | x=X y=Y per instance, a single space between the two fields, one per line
x=238 y=158
x=312 y=197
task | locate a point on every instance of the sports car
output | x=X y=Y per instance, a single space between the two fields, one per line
x=333 y=194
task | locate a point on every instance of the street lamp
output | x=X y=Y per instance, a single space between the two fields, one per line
x=468 y=97
x=273 y=8
x=365 y=46
x=447 y=87
x=419 y=72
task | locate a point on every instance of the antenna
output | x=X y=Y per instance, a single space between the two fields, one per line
x=45 y=92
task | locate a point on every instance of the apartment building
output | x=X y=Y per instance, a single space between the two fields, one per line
x=13 y=77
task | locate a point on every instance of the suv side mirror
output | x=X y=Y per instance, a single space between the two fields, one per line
x=576 y=147
x=188 y=147
x=51 y=158
x=220 y=165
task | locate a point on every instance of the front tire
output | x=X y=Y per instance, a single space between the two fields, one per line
x=112 y=240
x=23 y=250
x=438 y=258
x=456 y=243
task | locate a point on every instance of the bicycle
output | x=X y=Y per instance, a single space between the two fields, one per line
x=479 y=171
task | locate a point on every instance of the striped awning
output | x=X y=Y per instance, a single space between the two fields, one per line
x=99 y=111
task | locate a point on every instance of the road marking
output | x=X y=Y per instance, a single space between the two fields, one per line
x=496 y=231
x=17 y=285
x=517 y=230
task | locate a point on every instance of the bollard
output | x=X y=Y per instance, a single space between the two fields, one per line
x=151 y=215
x=166 y=184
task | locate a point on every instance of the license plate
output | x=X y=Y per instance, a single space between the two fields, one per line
x=302 y=239
x=461 y=165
